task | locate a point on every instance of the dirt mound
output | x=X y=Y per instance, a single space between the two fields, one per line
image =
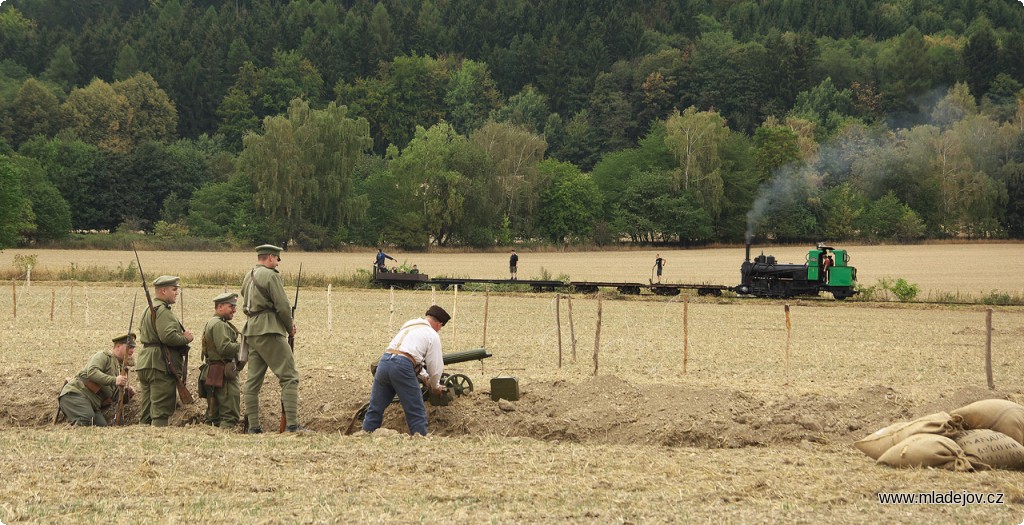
x=604 y=409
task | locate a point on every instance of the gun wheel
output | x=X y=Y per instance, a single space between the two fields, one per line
x=459 y=384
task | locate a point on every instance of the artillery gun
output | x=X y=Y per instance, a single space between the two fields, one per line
x=453 y=385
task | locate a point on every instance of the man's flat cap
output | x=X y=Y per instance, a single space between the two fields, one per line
x=167 y=280
x=121 y=339
x=230 y=298
x=268 y=249
x=438 y=313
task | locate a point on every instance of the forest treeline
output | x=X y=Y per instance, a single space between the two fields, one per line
x=490 y=122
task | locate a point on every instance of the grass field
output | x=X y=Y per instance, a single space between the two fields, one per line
x=738 y=438
x=969 y=269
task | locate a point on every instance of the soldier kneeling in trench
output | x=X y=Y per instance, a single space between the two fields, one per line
x=83 y=398
x=413 y=356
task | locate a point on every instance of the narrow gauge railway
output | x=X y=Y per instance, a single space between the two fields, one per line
x=825 y=269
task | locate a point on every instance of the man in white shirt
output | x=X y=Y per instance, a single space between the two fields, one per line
x=413 y=357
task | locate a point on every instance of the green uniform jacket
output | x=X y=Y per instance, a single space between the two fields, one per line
x=168 y=331
x=268 y=309
x=220 y=340
x=102 y=369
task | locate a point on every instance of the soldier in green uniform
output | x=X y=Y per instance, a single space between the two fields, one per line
x=266 y=335
x=83 y=398
x=157 y=384
x=220 y=374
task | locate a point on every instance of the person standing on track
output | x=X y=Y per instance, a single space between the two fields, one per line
x=513 y=266
x=659 y=263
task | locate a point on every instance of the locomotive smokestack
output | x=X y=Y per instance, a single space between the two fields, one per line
x=747 y=259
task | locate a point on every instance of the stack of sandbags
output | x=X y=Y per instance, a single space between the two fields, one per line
x=982 y=435
x=924 y=442
x=994 y=433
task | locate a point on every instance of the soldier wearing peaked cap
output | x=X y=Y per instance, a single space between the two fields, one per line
x=218 y=378
x=156 y=383
x=412 y=357
x=83 y=399
x=266 y=334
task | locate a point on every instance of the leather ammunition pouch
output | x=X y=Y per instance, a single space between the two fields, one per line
x=204 y=370
x=231 y=370
x=93 y=386
x=215 y=374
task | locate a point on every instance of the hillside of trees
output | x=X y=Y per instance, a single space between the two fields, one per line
x=489 y=122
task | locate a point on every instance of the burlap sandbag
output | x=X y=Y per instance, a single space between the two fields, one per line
x=940 y=423
x=988 y=448
x=927 y=450
x=994 y=414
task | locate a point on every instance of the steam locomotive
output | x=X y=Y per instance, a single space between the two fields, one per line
x=825 y=269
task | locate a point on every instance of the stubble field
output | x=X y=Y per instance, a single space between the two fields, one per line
x=736 y=438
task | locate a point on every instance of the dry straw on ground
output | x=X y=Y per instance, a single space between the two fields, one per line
x=641 y=442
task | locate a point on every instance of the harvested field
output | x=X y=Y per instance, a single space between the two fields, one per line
x=968 y=269
x=735 y=439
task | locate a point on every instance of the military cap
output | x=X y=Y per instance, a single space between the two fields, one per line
x=268 y=249
x=438 y=313
x=129 y=338
x=228 y=297
x=167 y=280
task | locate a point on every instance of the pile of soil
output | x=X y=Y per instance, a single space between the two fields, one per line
x=604 y=409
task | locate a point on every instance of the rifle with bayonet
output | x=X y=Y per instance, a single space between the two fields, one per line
x=121 y=393
x=183 y=392
x=291 y=341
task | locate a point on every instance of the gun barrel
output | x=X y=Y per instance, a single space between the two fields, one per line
x=475 y=354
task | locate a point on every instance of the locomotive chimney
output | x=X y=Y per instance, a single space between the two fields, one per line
x=747 y=259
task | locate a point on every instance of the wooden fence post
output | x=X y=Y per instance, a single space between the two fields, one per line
x=455 y=326
x=391 y=318
x=330 y=311
x=686 y=330
x=53 y=302
x=597 y=334
x=558 y=325
x=487 y=302
x=988 y=349
x=572 y=330
x=788 y=330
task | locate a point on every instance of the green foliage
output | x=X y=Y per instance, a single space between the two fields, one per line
x=86 y=179
x=15 y=209
x=903 y=290
x=302 y=168
x=24 y=262
x=844 y=87
x=213 y=208
x=34 y=111
x=51 y=215
x=117 y=117
x=569 y=206
x=996 y=297
x=170 y=230
x=887 y=219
